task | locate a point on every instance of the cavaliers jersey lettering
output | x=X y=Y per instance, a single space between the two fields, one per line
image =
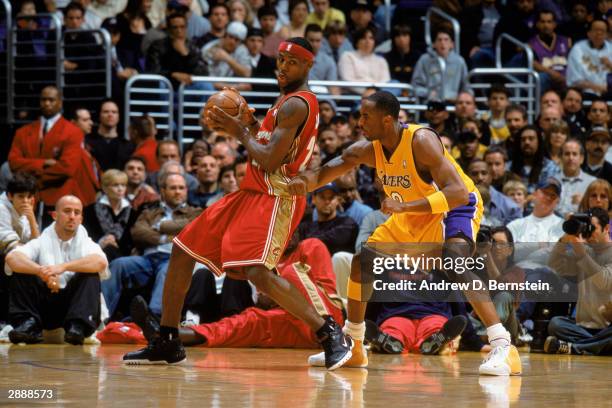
x=399 y=175
x=298 y=156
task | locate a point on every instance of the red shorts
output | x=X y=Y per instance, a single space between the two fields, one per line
x=242 y=229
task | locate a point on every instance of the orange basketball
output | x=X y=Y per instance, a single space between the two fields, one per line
x=227 y=100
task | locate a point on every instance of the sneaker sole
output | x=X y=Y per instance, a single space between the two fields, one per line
x=19 y=338
x=148 y=362
x=344 y=359
x=451 y=329
x=500 y=372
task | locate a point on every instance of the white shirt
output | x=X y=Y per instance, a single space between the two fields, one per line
x=536 y=237
x=49 y=249
x=50 y=122
x=14 y=228
x=584 y=63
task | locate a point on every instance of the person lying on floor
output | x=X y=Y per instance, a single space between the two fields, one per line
x=305 y=264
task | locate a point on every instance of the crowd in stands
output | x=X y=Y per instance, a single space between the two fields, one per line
x=111 y=203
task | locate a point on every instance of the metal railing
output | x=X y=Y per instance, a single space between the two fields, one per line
x=507 y=37
x=153 y=95
x=91 y=80
x=456 y=27
x=532 y=86
x=388 y=15
x=526 y=93
x=6 y=58
x=36 y=62
x=191 y=101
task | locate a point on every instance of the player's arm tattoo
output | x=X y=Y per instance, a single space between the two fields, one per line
x=290 y=117
x=361 y=152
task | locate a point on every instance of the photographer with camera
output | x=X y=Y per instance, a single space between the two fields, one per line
x=590 y=261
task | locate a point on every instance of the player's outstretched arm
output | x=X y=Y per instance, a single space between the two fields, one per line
x=358 y=153
x=429 y=157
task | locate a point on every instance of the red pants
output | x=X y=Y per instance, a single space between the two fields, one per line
x=412 y=332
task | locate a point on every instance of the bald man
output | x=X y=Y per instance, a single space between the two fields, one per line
x=56 y=279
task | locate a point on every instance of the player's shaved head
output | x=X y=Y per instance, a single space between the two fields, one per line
x=386 y=103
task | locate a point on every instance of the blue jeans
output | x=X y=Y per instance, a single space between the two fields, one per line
x=483 y=58
x=135 y=272
x=583 y=340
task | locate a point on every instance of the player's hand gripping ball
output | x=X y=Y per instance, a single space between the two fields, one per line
x=228 y=101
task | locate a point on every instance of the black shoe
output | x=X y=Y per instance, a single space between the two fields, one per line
x=28 y=332
x=336 y=344
x=142 y=316
x=74 y=334
x=451 y=329
x=553 y=345
x=381 y=342
x=158 y=351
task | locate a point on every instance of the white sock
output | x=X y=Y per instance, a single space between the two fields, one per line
x=355 y=330
x=498 y=335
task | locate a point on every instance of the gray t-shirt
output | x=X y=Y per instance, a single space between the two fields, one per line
x=222 y=68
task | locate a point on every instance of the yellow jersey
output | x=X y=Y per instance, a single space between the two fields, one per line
x=402 y=182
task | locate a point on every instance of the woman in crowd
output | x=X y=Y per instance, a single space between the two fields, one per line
x=554 y=138
x=298 y=12
x=108 y=221
x=597 y=195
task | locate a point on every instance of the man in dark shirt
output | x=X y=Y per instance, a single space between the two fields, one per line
x=175 y=57
x=106 y=145
x=402 y=58
x=597 y=144
x=338 y=233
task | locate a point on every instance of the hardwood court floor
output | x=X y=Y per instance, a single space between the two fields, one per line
x=92 y=376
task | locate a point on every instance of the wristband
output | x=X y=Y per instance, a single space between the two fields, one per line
x=438 y=203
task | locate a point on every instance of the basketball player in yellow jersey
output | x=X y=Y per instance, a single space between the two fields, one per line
x=429 y=198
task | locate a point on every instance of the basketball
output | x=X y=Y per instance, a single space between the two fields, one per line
x=228 y=100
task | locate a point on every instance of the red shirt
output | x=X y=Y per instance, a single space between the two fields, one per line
x=298 y=157
x=147 y=150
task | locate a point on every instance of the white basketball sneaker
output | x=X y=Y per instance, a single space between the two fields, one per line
x=502 y=360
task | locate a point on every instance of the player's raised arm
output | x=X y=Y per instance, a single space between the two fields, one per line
x=429 y=158
x=358 y=153
x=291 y=115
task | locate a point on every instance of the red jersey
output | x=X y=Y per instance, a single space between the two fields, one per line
x=298 y=157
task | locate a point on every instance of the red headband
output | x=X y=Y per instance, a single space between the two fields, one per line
x=296 y=50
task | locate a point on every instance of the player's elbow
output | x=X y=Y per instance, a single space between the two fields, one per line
x=461 y=196
x=99 y=263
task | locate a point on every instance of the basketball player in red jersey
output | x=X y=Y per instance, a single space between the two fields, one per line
x=246 y=232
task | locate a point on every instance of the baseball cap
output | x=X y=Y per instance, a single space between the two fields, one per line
x=111 y=25
x=599 y=130
x=328 y=186
x=338 y=119
x=177 y=6
x=551 y=182
x=254 y=32
x=237 y=29
x=436 y=106
x=363 y=5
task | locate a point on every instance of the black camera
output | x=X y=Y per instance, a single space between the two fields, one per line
x=484 y=234
x=579 y=224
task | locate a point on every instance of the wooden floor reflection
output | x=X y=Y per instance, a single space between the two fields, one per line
x=94 y=376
